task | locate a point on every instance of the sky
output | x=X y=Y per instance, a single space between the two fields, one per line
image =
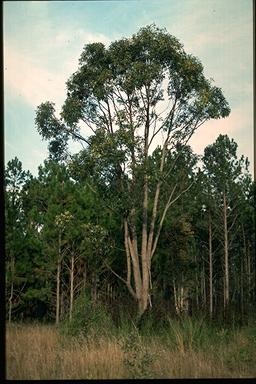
x=43 y=41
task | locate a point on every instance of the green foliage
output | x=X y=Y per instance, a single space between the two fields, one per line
x=186 y=334
x=246 y=351
x=89 y=319
x=138 y=358
x=122 y=77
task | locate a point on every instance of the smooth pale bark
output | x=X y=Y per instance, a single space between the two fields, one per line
x=175 y=296
x=226 y=255
x=180 y=297
x=138 y=278
x=210 y=268
x=243 y=261
x=58 y=293
x=12 y=290
x=71 y=286
x=94 y=290
x=249 y=275
x=10 y=304
x=143 y=301
x=203 y=283
x=57 y=319
x=242 y=287
x=196 y=285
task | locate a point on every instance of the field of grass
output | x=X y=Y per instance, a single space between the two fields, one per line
x=188 y=349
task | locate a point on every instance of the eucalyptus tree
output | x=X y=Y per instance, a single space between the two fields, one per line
x=130 y=95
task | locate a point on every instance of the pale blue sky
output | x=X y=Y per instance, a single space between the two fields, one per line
x=44 y=39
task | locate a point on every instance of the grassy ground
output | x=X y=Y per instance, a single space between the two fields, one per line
x=183 y=350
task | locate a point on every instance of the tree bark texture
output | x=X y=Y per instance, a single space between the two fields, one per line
x=226 y=256
x=58 y=282
x=210 y=269
x=71 y=286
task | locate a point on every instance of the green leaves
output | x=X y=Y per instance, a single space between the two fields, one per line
x=47 y=124
x=50 y=127
x=221 y=163
x=116 y=92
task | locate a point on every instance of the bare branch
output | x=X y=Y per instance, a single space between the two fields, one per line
x=123 y=280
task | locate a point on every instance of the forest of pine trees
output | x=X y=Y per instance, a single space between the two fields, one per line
x=64 y=234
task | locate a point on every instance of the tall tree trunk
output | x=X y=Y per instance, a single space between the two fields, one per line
x=10 y=304
x=210 y=269
x=143 y=302
x=85 y=275
x=94 y=287
x=249 y=275
x=226 y=260
x=204 y=287
x=197 y=286
x=58 y=282
x=242 y=288
x=139 y=263
x=243 y=261
x=71 y=286
x=62 y=302
x=12 y=289
x=176 y=304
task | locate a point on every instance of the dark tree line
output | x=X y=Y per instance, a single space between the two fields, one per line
x=160 y=230
x=64 y=234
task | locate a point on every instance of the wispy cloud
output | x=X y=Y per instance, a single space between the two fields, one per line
x=23 y=77
x=239 y=126
x=39 y=78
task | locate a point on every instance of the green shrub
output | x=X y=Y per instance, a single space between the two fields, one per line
x=89 y=319
x=138 y=358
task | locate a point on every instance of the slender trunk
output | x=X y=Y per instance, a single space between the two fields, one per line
x=85 y=275
x=204 y=287
x=210 y=268
x=58 y=283
x=197 y=283
x=132 y=252
x=62 y=303
x=253 y=279
x=243 y=259
x=249 y=275
x=71 y=286
x=94 y=288
x=10 y=304
x=181 y=298
x=226 y=266
x=175 y=297
x=242 y=288
x=58 y=294
x=143 y=302
x=11 y=293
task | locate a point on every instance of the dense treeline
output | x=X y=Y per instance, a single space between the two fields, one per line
x=64 y=234
x=136 y=229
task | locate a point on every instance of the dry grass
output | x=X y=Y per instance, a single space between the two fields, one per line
x=38 y=352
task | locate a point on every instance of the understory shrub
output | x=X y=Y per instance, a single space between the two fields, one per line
x=138 y=358
x=89 y=319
